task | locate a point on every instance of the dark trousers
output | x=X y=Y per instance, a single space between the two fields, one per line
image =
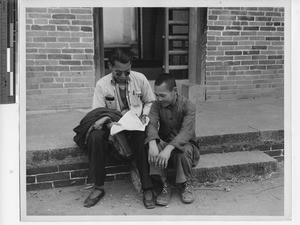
x=181 y=161
x=98 y=148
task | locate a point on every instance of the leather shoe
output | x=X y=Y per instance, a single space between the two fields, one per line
x=89 y=202
x=148 y=199
x=164 y=197
x=187 y=194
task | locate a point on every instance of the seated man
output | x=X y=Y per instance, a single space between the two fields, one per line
x=171 y=138
x=120 y=90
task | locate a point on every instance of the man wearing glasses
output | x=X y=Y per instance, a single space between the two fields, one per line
x=120 y=90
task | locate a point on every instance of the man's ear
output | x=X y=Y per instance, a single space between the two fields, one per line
x=175 y=89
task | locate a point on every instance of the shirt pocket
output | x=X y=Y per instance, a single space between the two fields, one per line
x=110 y=101
x=136 y=98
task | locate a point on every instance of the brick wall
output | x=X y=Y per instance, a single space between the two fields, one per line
x=245 y=53
x=59 y=58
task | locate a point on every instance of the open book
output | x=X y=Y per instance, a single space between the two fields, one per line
x=129 y=121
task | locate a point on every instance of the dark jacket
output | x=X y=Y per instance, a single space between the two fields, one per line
x=89 y=119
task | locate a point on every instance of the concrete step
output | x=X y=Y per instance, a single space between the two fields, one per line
x=69 y=166
x=211 y=168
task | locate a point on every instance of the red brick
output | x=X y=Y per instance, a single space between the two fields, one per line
x=67 y=62
x=71 y=85
x=30 y=179
x=88 y=62
x=249 y=18
x=51 y=85
x=44 y=27
x=41 y=21
x=58 y=10
x=216 y=27
x=68 y=28
x=58 y=33
x=49 y=50
x=82 y=22
x=53 y=176
x=229 y=43
x=44 y=39
x=38 y=15
x=59 y=22
x=249 y=62
x=73 y=51
x=35 y=45
x=81 y=11
x=68 y=39
x=82 y=45
x=275 y=67
x=86 y=29
x=35 y=68
x=256 y=13
x=79 y=173
x=57 y=45
x=36 y=33
x=63 y=16
x=36 y=56
x=257 y=67
x=59 y=56
x=82 y=68
x=81 y=34
x=231 y=33
x=36 y=10
x=45 y=62
x=252 y=72
x=57 y=68
x=263 y=18
x=233 y=53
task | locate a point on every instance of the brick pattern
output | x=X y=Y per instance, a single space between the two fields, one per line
x=59 y=58
x=245 y=53
x=69 y=175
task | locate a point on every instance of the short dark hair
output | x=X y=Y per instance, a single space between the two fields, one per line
x=123 y=55
x=166 y=78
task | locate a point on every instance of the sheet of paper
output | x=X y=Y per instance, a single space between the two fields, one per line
x=129 y=121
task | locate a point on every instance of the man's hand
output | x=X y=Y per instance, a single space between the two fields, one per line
x=99 y=123
x=124 y=111
x=153 y=152
x=163 y=157
x=143 y=118
x=109 y=125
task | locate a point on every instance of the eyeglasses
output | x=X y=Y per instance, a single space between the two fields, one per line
x=119 y=73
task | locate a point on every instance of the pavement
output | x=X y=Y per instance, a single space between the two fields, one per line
x=53 y=130
x=47 y=130
x=121 y=201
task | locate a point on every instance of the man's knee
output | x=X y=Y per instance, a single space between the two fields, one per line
x=97 y=135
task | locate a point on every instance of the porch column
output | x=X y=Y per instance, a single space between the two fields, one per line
x=195 y=89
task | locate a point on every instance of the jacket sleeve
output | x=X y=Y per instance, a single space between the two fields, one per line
x=187 y=131
x=153 y=126
x=98 y=99
x=147 y=96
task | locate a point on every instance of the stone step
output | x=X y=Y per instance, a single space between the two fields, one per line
x=225 y=166
x=211 y=168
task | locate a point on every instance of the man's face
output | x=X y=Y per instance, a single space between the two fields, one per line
x=120 y=71
x=164 y=96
